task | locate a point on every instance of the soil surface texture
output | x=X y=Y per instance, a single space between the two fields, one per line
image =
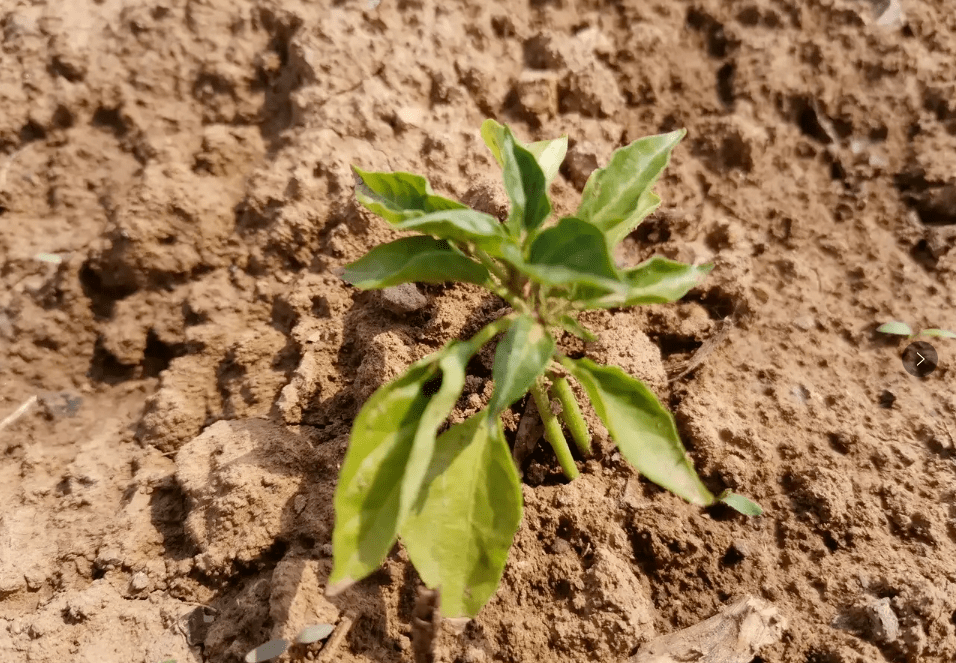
x=176 y=202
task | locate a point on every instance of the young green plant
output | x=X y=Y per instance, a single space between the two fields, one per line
x=902 y=329
x=454 y=499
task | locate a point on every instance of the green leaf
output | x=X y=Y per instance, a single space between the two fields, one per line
x=572 y=326
x=655 y=281
x=526 y=187
x=367 y=496
x=939 y=333
x=548 y=153
x=466 y=226
x=640 y=426
x=573 y=252
x=895 y=327
x=616 y=198
x=399 y=196
x=522 y=355
x=393 y=439
x=740 y=504
x=268 y=651
x=418 y=259
x=459 y=533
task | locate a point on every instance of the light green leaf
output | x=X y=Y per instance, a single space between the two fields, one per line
x=939 y=333
x=367 y=496
x=522 y=355
x=569 y=324
x=268 y=651
x=550 y=155
x=418 y=259
x=392 y=443
x=399 y=196
x=314 y=633
x=640 y=426
x=525 y=185
x=616 y=198
x=740 y=504
x=460 y=531
x=655 y=281
x=895 y=327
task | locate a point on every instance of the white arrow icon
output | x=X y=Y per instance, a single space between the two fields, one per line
x=921 y=359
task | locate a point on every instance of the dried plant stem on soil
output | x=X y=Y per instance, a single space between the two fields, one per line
x=19 y=412
x=332 y=645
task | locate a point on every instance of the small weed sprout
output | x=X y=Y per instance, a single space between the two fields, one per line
x=455 y=499
x=902 y=329
x=275 y=648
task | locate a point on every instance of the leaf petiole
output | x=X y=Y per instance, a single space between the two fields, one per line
x=552 y=431
x=571 y=415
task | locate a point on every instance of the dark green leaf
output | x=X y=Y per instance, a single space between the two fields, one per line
x=573 y=253
x=740 y=504
x=655 y=281
x=412 y=259
x=640 y=426
x=399 y=196
x=466 y=226
x=522 y=355
x=617 y=198
x=526 y=186
x=462 y=527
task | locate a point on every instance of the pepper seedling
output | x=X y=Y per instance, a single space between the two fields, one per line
x=454 y=499
x=902 y=329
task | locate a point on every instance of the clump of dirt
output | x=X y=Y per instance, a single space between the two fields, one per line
x=176 y=202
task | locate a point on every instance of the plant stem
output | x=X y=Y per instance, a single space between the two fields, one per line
x=552 y=431
x=572 y=416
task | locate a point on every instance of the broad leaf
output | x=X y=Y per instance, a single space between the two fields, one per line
x=616 y=198
x=740 y=504
x=367 y=504
x=413 y=259
x=939 y=333
x=392 y=443
x=576 y=245
x=641 y=428
x=526 y=187
x=522 y=355
x=655 y=281
x=459 y=533
x=466 y=226
x=399 y=196
x=548 y=153
x=895 y=327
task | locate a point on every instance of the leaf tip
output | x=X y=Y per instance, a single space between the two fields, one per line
x=333 y=589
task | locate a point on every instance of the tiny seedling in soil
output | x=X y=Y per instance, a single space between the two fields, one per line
x=454 y=499
x=903 y=329
x=275 y=648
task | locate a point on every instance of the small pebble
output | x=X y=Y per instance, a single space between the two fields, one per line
x=404 y=298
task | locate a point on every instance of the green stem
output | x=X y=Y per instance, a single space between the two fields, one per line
x=571 y=415
x=491 y=330
x=552 y=431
